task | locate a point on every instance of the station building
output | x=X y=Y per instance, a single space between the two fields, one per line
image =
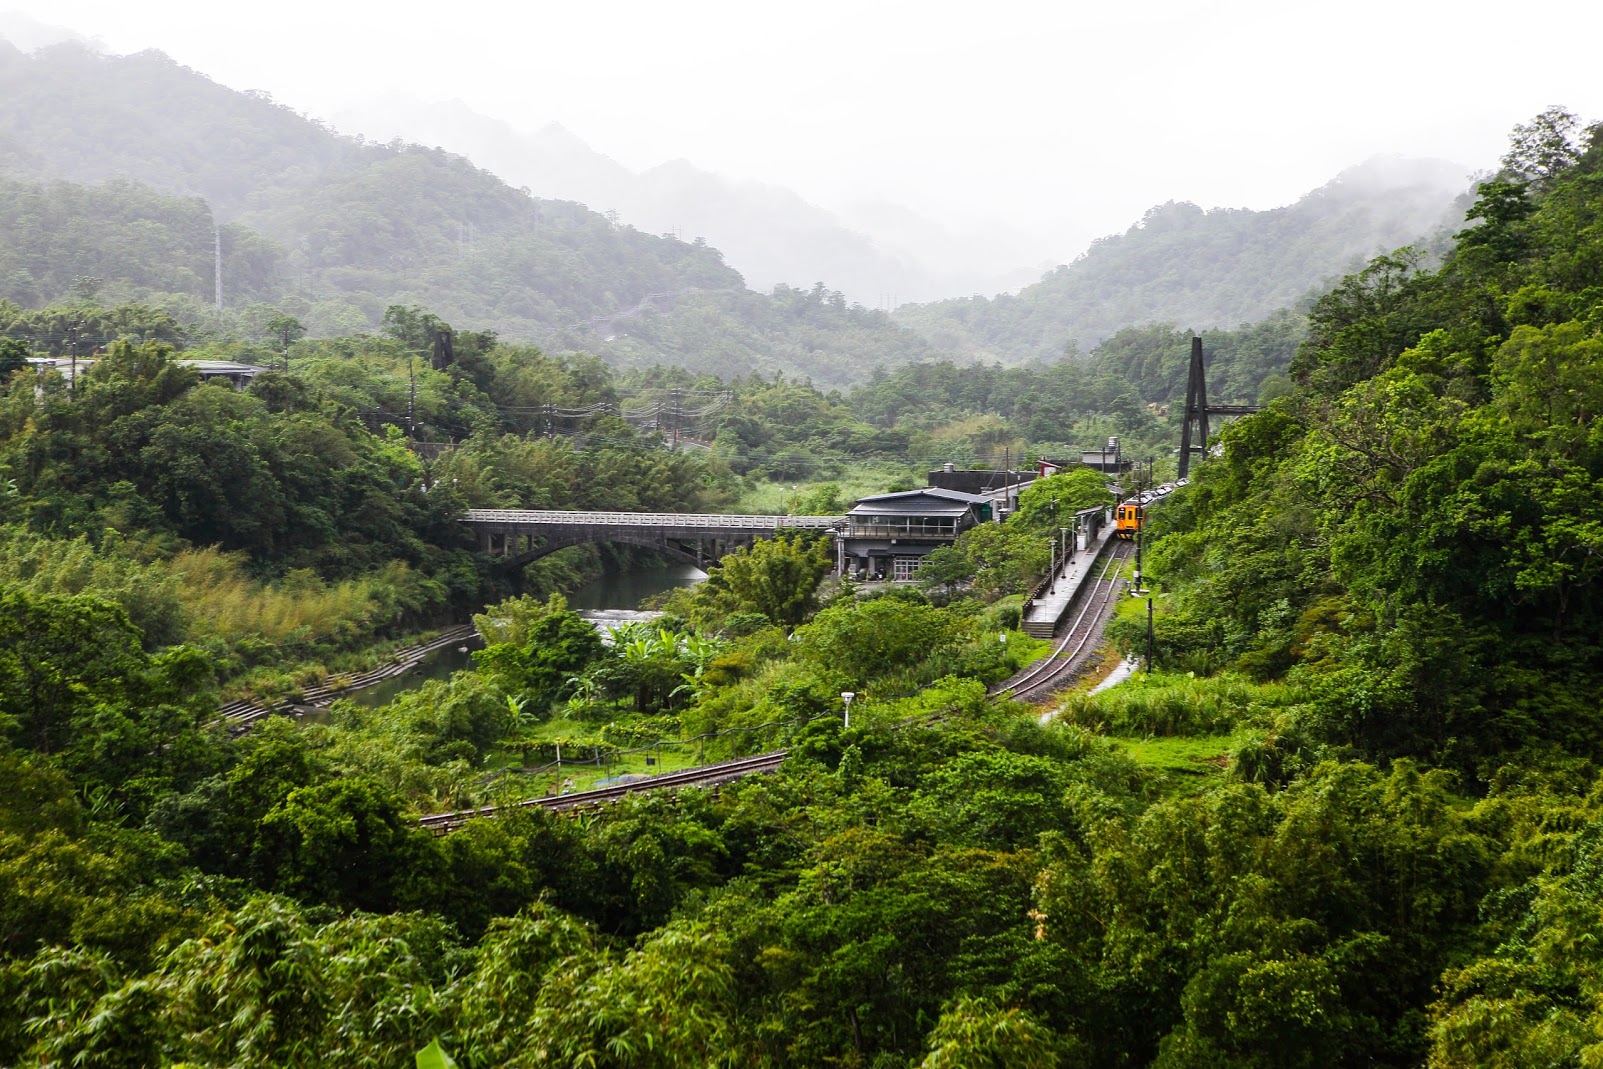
x=887 y=536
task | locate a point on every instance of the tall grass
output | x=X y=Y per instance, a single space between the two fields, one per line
x=222 y=599
x=202 y=594
x=1173 y=704
x=852 y=479
x=147 y=592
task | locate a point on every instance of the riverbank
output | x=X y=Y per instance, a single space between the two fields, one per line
x=378 y=673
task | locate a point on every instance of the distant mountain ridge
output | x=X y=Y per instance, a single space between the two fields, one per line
x=335 y=228
x=1218 y=268
x=340 y=228
x=875 y=253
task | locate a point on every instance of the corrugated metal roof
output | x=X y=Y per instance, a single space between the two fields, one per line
x=929 y=491
x=910 y=507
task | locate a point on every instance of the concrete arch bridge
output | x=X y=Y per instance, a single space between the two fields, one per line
x=518 y=536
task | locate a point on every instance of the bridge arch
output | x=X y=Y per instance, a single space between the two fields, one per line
x=518 y=536
x=517 y=559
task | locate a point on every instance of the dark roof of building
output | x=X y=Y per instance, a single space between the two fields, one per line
x=929 y=491
x=930 y=501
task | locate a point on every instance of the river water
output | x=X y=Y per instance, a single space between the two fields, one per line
x=624 y=591
x=611 y=600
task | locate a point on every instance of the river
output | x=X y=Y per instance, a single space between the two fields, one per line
x=608 y=601
x=624 y=591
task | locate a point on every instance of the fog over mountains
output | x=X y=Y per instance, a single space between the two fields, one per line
x=879 y=254
x=1216 y=268
x=541 y=238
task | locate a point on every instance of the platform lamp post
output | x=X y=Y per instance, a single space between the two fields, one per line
x=1141 y=590
x=846 y=696
x=1140 y=528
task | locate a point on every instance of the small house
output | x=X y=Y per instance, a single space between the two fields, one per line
x=887 y=536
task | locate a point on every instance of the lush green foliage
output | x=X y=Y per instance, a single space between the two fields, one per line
x=1406 y=544
x=1379 y=624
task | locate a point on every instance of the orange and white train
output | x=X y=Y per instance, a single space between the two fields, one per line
x=1130 y=515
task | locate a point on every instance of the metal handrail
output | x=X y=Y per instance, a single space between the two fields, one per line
x=879 y=530
x=733 y=521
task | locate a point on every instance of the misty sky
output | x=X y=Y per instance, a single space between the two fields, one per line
x=1023 y=112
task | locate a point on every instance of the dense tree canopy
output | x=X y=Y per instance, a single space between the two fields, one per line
x=1351 y=817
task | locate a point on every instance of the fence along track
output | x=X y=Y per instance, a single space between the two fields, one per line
x=244 y=713
x=1058 y=668
x=706 y=776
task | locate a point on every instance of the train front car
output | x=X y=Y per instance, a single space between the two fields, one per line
x=1127 y=519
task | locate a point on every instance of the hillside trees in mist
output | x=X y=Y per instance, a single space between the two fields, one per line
x=1203 y=269
x=334 y=230
x=138 y=243
x=361 y=225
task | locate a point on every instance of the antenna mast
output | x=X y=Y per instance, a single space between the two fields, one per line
x=217 y=265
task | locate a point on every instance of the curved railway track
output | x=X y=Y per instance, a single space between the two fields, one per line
x=243 y=713
x=706 y=776
x=1078 y=640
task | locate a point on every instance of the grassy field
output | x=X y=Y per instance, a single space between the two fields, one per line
x=857 y=480
x=1190 y=763
x=582 y=773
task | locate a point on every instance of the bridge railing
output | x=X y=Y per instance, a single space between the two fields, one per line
x=905 y=530
x=730 y=521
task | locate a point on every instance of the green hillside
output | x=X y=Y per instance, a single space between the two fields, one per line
x=122 y=241
x=1203 y=269
x=335 y=230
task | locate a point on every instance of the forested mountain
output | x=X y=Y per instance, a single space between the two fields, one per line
x=122 y=241
x=772 y=235
x=1204 y=269
x=335 y=230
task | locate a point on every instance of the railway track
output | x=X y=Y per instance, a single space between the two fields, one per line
x=706 y=776
x=244 y=713
x=1070 y=655
x=1078 y=641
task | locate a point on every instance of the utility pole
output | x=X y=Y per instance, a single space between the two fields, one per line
x=1141 y=588
x=411 y=400
x=1007 y=478
x=1140 y=525
x=1149 y=634
x=217 y=266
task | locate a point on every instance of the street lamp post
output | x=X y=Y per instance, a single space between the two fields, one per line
x=847 y=696
x=1141 y=590
x=1149 y=634
x=1141 y=523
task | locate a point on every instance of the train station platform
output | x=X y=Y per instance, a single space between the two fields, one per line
x=1046 y=610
